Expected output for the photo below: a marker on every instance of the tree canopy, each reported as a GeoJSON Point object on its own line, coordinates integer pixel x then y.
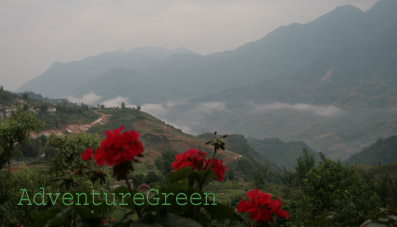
{"type": "Point", "coordinates": [14, 131]}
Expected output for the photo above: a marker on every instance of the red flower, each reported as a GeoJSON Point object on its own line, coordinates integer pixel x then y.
{"type": "Point", "coordinates": [196, 159]}
{"type": "Point", "coordinates": [87, 154]}
{"type": "Point", "coordinates": [118, 148]}
{"type": "Point", "coordinates": [261, 207]}
{"type": "Point", "coordinates": [276, 207]}
{"type": "Point", "coordinates": [192, 158]}
{"type": "Point", "coordinates": [218, 168]}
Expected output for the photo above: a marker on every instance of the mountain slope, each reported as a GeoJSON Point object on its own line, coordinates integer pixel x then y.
{"type": "Point", "coordinates": [384, 151]}
{"type": "Point", "coordinates": [158, 136]}
{"type": "Point", "coordinates": [239, 145]}
{"type": "Point", "coordinates": [283, 154]}
{"type": "Point", "coordinates": [330, 82]}
{"type": "Point", "coordinates": [172, 74]}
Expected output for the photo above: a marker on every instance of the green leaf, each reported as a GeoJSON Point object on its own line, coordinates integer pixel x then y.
{"type": "Point", "coordinates": [168, 219]}
{"type": "Point", "coordinates": [176, 187]}
{"type": "Point", "coordinates": [394, 217]}
{"type": "Point", "coordinates": [201, 174]}
{"type": "Point", "coordinates": [127, 199]}
{"type": "Point", "coordinates": [180, 174]}
{"type": "Point", "coordinates": [53, 217]}
{"type": "Point", "coordinates": [220, 212]}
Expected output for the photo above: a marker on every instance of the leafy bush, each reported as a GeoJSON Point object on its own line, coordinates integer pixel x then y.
{"type": "Point", "coordinates": [335, 194]}
{"type": "Point", "coordinates": [11, 214]}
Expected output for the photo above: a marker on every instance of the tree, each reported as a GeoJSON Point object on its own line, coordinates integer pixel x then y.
{"type": "Point", "coordinates": [30, 148]}
{"type": "Point", "coordinates": [43, 108]}
{"type": "Point", "coordinates": [230, 174]}
{"type": "Point", "coordinates": [151, 178]}
{"type": "Point", "coordinates": [164, 162]}
{"type": "Point", "coordinates": [138, 179]}
{"type": "Point", "coordinates": [303, 165]}
{"type": "Point", "coordinates": [12, 214]}
{"type": "Point", "coordinates": [15, 131]}
{"type": "Point", "coordinates": [68, 149]}
{"type": "Point", "coordinates": [388, 190]}
{"type": "Point", "coordinates": [335, 195]}
{"type": "Point", "coordinates": [25, 96]}
{"type": "Point", "coordinates": [259, 178]}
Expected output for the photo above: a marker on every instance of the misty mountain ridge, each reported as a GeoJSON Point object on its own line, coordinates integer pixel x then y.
{"type": "Point", "coordinates": [284, 51]}
{"type": "Point", "coordinates": [282, 153]}
{"type": "Point", "coordinates": [325, 82]}
{"type": "Point", "coordinates": [384, 151]}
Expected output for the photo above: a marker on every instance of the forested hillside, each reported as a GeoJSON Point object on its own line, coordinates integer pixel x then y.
{"type": "Point", "coordinates": [283, 154]}
{"type": "Point", "coordinates": [383, 152]}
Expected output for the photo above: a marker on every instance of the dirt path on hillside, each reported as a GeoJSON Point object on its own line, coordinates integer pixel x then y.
{"type": "Point", "coordinates": [74, 128]}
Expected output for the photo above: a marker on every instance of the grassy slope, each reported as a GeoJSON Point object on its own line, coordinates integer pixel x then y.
{"type": "Point", "coordinates": [157, 136]}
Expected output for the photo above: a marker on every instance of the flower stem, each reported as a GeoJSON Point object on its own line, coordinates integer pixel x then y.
{"type": "Point", "coordinates": [135, 206]}
{"type": "Point", "coordinates": [208, 170]}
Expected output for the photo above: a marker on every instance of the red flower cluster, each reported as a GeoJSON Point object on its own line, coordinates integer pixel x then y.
{"type": "Point", "coordinates": [262, 206]}
{"type": "Point", "coordinates": [217, 167]}
{"type": "Point", "coordinates": [87, 154]}
{"type": "Point", "coordinates": [196, 159]}
{"type": "Point", "coordinates": [193, 158]}
{"type": "Point", "coordinates": [116, 148]}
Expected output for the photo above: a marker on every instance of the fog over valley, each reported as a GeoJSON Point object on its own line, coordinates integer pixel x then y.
{"type": "Point", "coordinates": [329, 81]}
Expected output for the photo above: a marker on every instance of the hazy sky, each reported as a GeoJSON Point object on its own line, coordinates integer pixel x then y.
{"type": "Point", "coordinates": [36, 33]}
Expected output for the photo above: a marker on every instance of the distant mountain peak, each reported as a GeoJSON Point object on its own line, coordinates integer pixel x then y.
{"type": "Point", "coordinates": [160, 50]}
{"type": "Point", "coordinates": [342, 13]}
{"type": "Point", "coordinates": [347, 9]}
{"type": "Point", "coordinates": [383, 4]}
{"type": "Point", "coordinates": [383, 8]}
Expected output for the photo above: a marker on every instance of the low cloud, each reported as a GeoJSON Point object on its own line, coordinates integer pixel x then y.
{"type": "Point", "coordinates": [321, 110]}
{"type": "Point", "coordinates": [165, 113]}
{"type": "Point", "coordinates": [183, 115]}
{"type": "Point", "coordinates": [159, 110]}
{"type": "Point", "coordinates": [211, 107]}
{"type": "Point", "coordinates": [116, 102]}
{"type": "Point", "coordinates": [89, 98]}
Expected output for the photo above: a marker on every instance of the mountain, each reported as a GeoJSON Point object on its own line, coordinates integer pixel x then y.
{"type": "Point", "coordinates": [330, 82]}
{"type": "Point", "coordinates": [342, 99]}
{"type": "Point", "coordinates": [59, 81]}
{"type": "Point", "coordinates": [283, 154]}
{"type": "Point", "coordinates": [158, 136]}
{"type": "Point", "coordinates": [384, 151]}
{"type": "Point", "coordinates": [54, 113]}
{"type": "Point", "coordinates": [181, 73]}
{"type": "Point", "coordinates": [238, 144]}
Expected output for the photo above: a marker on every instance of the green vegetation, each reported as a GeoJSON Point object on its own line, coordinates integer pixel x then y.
{"type": "Point", "coordinates": [10, 213]}
{"type": "Point", "coordinates": [315, 194]}
{"type": "Point", "coordinates": [287, 152]}
{"type": "Point", "coordinates": [252, 165]}
{"type": "Point", "coordinates": [117, 118]}
{"type": "Point", "coordinates": [163, 163]}
{"type": "Point", "coordinates": [15, 130]}
{"type": "Point", "coordinates": [384, 151]}
{"type": "Point", "coordinates": [335, 194]}
{"type": "Point", "coordinates": [66, 114]}
{"type": "Point", "coordinates": [67, 151]}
